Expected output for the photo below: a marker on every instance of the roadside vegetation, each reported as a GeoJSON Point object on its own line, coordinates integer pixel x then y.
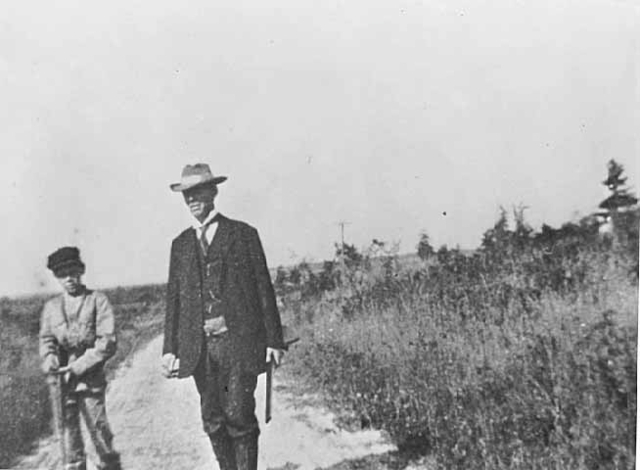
{"type": "Point", "coordinates": [520, 354]}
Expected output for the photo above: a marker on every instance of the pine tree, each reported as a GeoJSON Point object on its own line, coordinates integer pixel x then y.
{"type": "Point", "coordinates": [620, 197]}
{"type": "Point", "coordinates": [620, 208]}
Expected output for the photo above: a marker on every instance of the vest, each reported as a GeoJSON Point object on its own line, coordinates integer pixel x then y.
{"type": "Point", "coordinates": [211, 275]}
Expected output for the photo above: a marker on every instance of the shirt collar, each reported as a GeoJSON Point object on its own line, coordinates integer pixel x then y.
{"type": "Point", "coordinates": [198, 226]}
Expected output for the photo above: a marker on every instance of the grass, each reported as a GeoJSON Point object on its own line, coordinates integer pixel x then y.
{"type": "Point", "coordinates": [499, 374]}
{"type": "Point", "coordinates": [25, 412]}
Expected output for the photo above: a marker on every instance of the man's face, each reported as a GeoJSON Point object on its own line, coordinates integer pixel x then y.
{"type": "Point", "coordinates": [200, 200]}
{"type": "Point", "coordinates": [70, 278]}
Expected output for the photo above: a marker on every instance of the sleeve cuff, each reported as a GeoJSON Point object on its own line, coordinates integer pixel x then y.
{"type": "Point", "coordinates": [77, 368]}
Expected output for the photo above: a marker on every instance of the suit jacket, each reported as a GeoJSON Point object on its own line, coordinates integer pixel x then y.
{"type": "Point", "coordinates": [247, 296]}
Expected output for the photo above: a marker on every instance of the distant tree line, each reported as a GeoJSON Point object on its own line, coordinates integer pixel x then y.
{"type": "Point", "coordinates": [551, 255]}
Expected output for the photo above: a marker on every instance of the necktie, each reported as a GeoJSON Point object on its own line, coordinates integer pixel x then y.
{"type": "Point", "coordinates": [204, 243]}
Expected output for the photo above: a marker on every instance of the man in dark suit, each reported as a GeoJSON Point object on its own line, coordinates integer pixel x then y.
{"type": "Point", "coordinates": [221, 321]}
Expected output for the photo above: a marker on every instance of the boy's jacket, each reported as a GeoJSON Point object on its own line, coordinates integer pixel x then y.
{"type": "Point", "coordinates": [84, 342]}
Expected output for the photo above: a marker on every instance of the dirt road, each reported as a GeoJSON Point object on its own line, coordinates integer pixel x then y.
{"type": "Point", "coordinates": [157, 426]}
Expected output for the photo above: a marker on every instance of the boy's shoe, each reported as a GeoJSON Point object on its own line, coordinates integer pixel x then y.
{"type": "Point", "coordinates": [110, 462]}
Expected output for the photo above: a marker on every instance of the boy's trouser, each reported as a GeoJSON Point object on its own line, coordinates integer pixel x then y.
{"type": "Point", "coordinates": [92, 407]}
{"type": "Point", "coordinates": [227, 405]}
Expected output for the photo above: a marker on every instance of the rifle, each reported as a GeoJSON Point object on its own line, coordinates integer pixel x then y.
{"type": "Point", "coordinates": [56, 394]}
{"type": "Point", "coordinates": [269, 384]}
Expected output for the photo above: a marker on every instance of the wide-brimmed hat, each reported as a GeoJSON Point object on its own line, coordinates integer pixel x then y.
{"type": "Point", "coordinates": [64, 257]}
{"type": "Point", "coordinates": [195, 175]}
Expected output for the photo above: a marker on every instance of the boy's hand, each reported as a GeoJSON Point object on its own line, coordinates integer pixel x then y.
{"type": "Point", "coordinates": [66, 372]}
{"type": "Point", "coordinates": [50, 364]}
{"type": "Point", "coordinates": [170, 365]}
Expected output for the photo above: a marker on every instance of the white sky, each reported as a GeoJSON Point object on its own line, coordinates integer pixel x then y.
{"type": "Point", "coordinates": [381, 113]}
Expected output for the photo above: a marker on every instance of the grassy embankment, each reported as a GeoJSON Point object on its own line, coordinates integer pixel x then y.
{"type": "Point", "coordinates": [25, 412]}
{"type": "Point", "coordinates": [520, 356]}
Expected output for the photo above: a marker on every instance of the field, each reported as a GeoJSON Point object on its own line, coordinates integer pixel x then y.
{"type": "Point", "coordinates": [25, 411]}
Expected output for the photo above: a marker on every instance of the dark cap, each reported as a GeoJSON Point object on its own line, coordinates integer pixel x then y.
{"type": "Point", "coordinates": [64, 257]}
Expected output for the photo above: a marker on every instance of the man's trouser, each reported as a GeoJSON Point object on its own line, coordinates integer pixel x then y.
{"type": "Point", "coordinates": [92, 407]}
{"type": "Point", "coordinates": [228, 405]}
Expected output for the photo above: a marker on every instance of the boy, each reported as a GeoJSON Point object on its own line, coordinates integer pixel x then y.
{"type": "Point", "coordinates": [77, 336]}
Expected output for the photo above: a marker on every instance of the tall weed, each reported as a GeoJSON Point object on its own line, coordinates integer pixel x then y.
{"type": "Point", "coordinates": [519, 362]}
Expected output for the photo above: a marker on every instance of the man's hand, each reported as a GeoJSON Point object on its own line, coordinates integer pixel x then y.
{"type": "Point", "coordinates": [275, 355]}
{"type": "Point", "coordinates": [50, 364]}
{"type": "Point", "coordinates": [170, 366]}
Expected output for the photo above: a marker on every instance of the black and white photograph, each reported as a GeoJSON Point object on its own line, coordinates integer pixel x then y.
{"type": "Point", "coordinates": [319, 235]}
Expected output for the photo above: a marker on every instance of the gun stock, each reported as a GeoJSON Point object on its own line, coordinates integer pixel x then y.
{"type": "Point", "coordinates": [267, 410]}
{"type": "Point", "coordinates": [56, 394]}
{"type": "Point", "coordinates": [269, 381]}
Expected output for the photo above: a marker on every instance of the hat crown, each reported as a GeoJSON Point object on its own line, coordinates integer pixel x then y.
{"type": "Point", "coordinates": [199, 169]}
{"type": "Point", "coordinates": [194, 175]}
{"type": "Point", "coordinates": [67, 255]}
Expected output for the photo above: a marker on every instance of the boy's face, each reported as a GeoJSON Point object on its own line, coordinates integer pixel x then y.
{"type": "Point", "coordinates": [70, 278]}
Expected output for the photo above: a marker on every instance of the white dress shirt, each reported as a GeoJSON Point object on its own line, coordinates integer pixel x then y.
{"type": "Point", "coordinates": [210, 231]}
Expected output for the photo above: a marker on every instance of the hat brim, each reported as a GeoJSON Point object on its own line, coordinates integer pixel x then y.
{"type": "Point", "coordinates": [72, 263]}
{"type": "Point", "coordinates": [183, 187]}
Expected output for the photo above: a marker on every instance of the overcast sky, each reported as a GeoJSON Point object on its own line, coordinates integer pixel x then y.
{"type": "Point", "coordinates": [385, 114]}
